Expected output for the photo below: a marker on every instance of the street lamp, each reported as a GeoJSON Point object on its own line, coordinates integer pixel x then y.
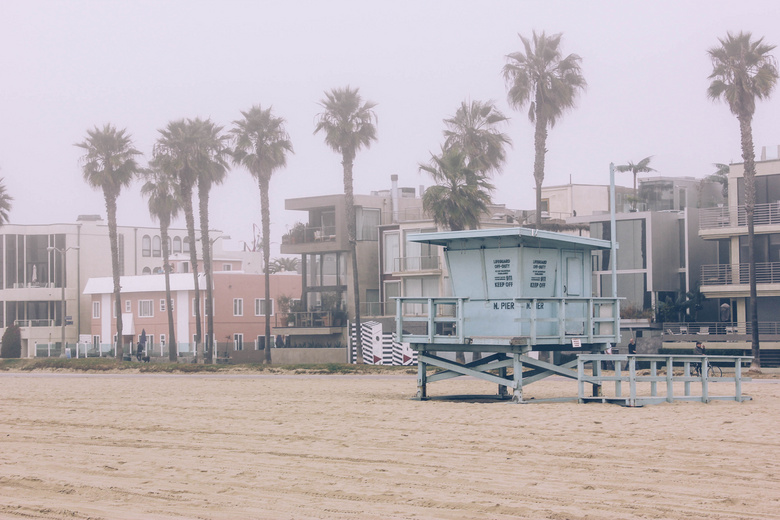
{"type": "Point", "coordinates": [62, 304]}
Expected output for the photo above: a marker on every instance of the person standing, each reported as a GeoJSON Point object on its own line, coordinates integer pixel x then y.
{"type": "Point", "coordinates": [632, 346]}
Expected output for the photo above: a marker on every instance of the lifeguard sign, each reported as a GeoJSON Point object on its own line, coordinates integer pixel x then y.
{"type": "Point", "coordinates": [515, 290]}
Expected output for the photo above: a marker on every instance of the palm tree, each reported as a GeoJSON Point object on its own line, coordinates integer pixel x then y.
{"type": "Point", "coordinates": [261, 146]}
{"type": "Point", "coordinates": [474, 129]}
{"type": "Point", "coordinates": [210, 162]}
{"type": "Point", "coordinates": [460, 195]}
{"type": "Point", "coordinates": [721, 176]}
{"type": "Point", "coordinates": [164, 205]}
{"type": "Point", "coordinates": [109, 164]}
{"type": "Point", "coordinates": [175, 152]}
{"type": "Point", "coordinates": [743, 71]}
{"type": "Point", "coordinates": [549, 83]}
{"type": "Point", "coordinates": [642, 166]}
{"type": "Point", "coordinates": [5, 202]}
{"type": "Point", "coordinates": [349, 124]}
{"type": "Point", "coordinates": [282, 265]}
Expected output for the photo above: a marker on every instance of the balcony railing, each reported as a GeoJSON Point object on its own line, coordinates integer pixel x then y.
{"type": "Point", "coordinates": [724, 217]}
{"type": "Point", "coordinates": [35, 323]}
{"type": "Point", "coordinates": [310, 234]}
{"type": "Point", "coordinates": [739, 274]}
{"type": "Point", "coordinates": [416, 263]}
{"type": "Point", "coordinates": [716, 328]}
{"type": "Point", "coordinates": [311, 319]}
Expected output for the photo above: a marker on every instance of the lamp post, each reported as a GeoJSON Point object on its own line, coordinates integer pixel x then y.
{"type": "Point", "coordinates": [208, 344]}
{"type": "Point", "coordinates": [64, 275]}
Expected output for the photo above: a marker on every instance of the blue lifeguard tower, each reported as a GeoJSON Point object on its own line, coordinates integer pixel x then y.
{"type": "Point", "coordinates": [515, 292]}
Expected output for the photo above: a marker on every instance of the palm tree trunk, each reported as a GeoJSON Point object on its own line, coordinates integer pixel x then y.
{"type": "Point", "coordinates": [748, 157]}
{"type": "Point", "coordinates": [113, 239]}
{"type": "Point", "coordinates": [172, 349]}
{"type": "Point", "coordinates": [190, 221]}
{"type": "Point", "coordinates": [203, 198]}
{"type": "Point", "coordinates": [540, 149]}
{"type": "Point", "coordinates": [347, 162]}
{"type": "Point", "coordinates": [265, 212]}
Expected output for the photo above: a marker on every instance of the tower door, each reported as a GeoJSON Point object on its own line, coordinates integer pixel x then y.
{"type": "Point", "coordinates": [573, 287]}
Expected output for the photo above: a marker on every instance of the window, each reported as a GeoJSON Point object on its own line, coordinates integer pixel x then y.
{"type": "Point", "coordinates": [227, 267]}
{"type": "Point", "coordinates": [260, 344]}
{"type": "Point", "coordinates": [146, 246]}
{"type": "Point", "coordinates": [186, 245]}
{"type": "Point", "coordinates": [128, 306]}
{"type": "Point", "coordinates": [146, 270]}
{"type": "Point", "coordinates": [162, 340]}
{"type": "Point", "coordinates": [96, 343]}
{"type": "Point", "coordinates": [367, 223]}
{"type": "Point", "coordinates": [176, 245]}
{"type": "Point", "coordinates": [145, 309]}
{"type": "Point", "coordinates": [259, 308]}
{"type": "Point", "coordinates": [96, 309]}
{"type": "Point", "coordinates": [238, 306]}
{"type": "Point", "coordinates": [162, 305]}
{"type": "Point", "coordinates": [391, 252]}
{"type": "Point", "coordinates": [156, 245]}
{"type": "Point", "coordinates": [238, 341]}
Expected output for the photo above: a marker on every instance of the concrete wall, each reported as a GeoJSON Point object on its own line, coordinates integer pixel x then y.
{"type": "Point", "coordinates": [292, 356]}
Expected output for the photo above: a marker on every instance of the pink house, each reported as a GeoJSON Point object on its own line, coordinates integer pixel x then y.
{"type": "Point", "coordinates": [239, 321]}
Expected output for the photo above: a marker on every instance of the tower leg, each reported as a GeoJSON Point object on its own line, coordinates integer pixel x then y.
{"type": "Point", "coordinates": [517, 379]}
{"type": "Point", "coordinates": [422, 378]}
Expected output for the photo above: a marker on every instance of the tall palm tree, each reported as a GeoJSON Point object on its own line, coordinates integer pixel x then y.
{"type": "Point", "coordinates": [5, 202]}
{"type": "Point", "coordinates": [210, 162]}
{"type": "Point", "coordinates": [642, 166]}
{"type": "Point", "coordinates": [542, 78]}
{"type": "Point", "coordinates": [474, 129]}
{"type": "Point", "coordinates": [261, 146]}
{"type": "Point", "coordinates": [460, 195]}
{"type": "Point", "coordinates": [175, 152]}
{"type": "Point", "coordinates": [109, 164]}
{"type": "Point", "coordinates": [721, 175]}
{"type": "Point", "coordinates": [349, 124]}
{"type": "Point", "coordinates": [164, 205]}
{"type": "Point", "coordinates": [743, 71]}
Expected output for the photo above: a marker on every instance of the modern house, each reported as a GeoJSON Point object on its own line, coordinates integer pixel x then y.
{"type": "Point", "coordinates": [725, 279]}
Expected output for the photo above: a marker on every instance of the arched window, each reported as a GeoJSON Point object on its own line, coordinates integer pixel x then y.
{"type": "Point", "coordinates": [146, 270]}
{"type": "Point", "coordinates": [146, 246]}
{"type": "Point", "coordinates": [176, 245]}
{"type": "Point", "coordinates": [156, 244]}
{"type": "Point", "coordinates": [186, 245]}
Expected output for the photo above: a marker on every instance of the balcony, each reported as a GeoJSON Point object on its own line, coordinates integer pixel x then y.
{"type": "Point", "coordinates": [739, 274]}
{"type": "Point", "coordinates": [309, 235]}
{"type": "Point", "coordinates": [417, 264]}
{"type": "Point", "coordinates": [310, 323]}
{"type": "Point", "coordinates": [713, 219]}
{"type": "Point", "coordinates": [719, 331]}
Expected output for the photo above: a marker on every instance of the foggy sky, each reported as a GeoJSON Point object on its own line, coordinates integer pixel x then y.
{"type": "Point", "coordinates": [66, 67]}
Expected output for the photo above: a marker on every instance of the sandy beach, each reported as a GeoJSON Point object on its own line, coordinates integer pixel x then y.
{"type": "Point", "coordinates": [120, 446]}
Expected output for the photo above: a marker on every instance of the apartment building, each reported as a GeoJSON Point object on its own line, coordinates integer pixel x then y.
{"type": "Point", "coordinates": [45, 268]}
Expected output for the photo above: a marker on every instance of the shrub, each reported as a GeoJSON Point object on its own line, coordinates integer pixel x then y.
{"type": "Point", "coordinates": [12, 342]}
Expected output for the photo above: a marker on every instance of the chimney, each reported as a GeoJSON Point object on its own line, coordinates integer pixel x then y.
{"type": "Point", "coordinates": [394, 197]}
{"type": "Point", "coordinates": [763, 153]}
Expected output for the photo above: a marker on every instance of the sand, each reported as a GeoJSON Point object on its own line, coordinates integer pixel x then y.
{"type": "Point", "coordinates": [122, 446]}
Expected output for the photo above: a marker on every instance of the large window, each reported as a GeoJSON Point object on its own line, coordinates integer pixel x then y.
{"type": "Point", "coordinates": [238, 306]}
{"type": "Point", "coordinates": [367, 223]}
{"type": "Point", "coordinates": [326, 270]}
{"type": "Point", "coordinates": [238, 341]}
{"type": "Point", "coordinates": [767, 189]}
{"type": "Point", "coordinates": [176, 245]}
{"type": "Point", "coordinates": [391, 251]}
{"type": "Point", "coordinates": [145, 308]}
{"type": "Point", "coordinates": [259, 307]}
{"type": "Point", "coordinates": [96, 309]}
{"type": "Point", "coordinates": [146, 246]}
{"type": "Point", "coordinates": [156, 246]}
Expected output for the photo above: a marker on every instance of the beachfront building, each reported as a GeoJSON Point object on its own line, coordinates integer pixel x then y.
{"type": "Point", "coordinates": [239, 315]}
{"type": "Point", "coordinates": [44, 270]}
{"type": "Point", "coordinates": [725, 279]}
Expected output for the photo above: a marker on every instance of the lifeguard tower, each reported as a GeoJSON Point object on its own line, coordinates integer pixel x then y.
{"type": "Point", "coordinates": [516, 292]}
